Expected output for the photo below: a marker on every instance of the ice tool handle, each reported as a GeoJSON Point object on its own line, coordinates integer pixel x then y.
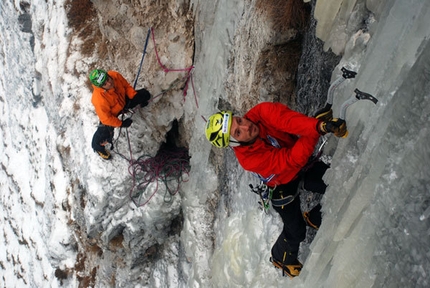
{"type": "Point", "coordinates": [346, 74]}
{"type": "Point", "coordinates": [359, 95]}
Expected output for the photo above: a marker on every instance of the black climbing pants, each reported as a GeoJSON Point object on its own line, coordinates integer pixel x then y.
{"type": "Point", "coordinates": [286, 248]}
{"type": "Point", "coordinates": [102, 135]}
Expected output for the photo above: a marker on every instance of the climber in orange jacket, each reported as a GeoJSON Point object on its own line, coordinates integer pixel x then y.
{"type": "Point", "coordinates": [275, 143]}
{"type": "Point", "coordinates": [112, 95]}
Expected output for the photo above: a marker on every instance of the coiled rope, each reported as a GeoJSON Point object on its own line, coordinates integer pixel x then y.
{"type": "Point", "coordinates": [169, 166]}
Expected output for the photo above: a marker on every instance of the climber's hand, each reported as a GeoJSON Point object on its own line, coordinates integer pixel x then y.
{"type": "Point", "coordinates": [325, 115]}
{"type": "Point", "coordinates": [126, 123]}
{"type": "Point", "coordinates": [335, 126]}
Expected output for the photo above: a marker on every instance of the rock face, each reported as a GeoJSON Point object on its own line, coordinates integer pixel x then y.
{"type": "Point", "coordinates": [265, 55]}
{"type": "Point", "coordinates": [118, 243]}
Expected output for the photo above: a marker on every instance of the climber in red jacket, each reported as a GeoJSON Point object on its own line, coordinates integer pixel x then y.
{"type": "Point", "coordinates": [112, 95]}
{"type": "Point", "coordinates": [275, 143]}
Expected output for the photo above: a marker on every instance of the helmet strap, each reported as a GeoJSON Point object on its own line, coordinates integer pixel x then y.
{"type": "Point", "coordinates": [233, 142]}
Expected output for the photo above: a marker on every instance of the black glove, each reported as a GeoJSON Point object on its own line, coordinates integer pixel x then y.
{"type": "Point", "coordinates": [335, 126]}
{"type": "Point", "coordinates": [324, 115]}
{"type": "Point", "coordinates": [126, 123]}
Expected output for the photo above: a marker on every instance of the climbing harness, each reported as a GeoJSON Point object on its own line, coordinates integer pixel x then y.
{"type": "Point", "coordinates": [266, 196]}
{"type": "Point", "coordinates": [286, 200]}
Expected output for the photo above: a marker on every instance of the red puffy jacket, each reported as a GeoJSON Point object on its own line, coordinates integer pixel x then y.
{"type": "Point", "coordinates": [286, 141]}
{"type": "Point", "coordinates": [108, 103]}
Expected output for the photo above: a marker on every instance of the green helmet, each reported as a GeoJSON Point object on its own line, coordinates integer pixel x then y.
{"type": "Point", "coordinates": [218, 129]}
{"type": "Point", "coordinates": [98, 77]}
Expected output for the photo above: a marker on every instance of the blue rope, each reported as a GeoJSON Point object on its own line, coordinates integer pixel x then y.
{"type": "Point", "coordinates": [143, 56]}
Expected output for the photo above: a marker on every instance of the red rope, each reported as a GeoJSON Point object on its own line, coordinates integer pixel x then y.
{"type": "Point", "coordinates": [167, 70]}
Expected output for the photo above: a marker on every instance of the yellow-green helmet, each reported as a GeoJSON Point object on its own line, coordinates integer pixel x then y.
{"type": "Point", "coordinates": [98, 77]}
{"type": "Point", "coordinates": [218, 129]}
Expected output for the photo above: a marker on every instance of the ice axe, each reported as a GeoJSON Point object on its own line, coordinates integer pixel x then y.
{"type": "Point", "coordinates": [346, 74]}
{"type": "Point", "coordinates": [359, 95]}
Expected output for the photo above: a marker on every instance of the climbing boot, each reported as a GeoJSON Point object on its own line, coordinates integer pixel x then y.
{"type": "Point", "coordinates": [309, 221]}
{"type": "Point", "coordinates": [105, 155]}
{"type": "Point", "coordinates": [291, 270]}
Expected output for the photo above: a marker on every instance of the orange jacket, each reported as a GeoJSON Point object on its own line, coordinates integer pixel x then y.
{"type": "Point", "coordinates": [108, 103]}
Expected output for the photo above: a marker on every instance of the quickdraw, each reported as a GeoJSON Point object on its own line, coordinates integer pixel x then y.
{"type": "Point", "coordinates": [265, 194]}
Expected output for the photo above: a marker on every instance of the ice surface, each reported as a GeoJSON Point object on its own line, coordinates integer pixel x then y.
{"type": "Point", "coordinates": [378, 190]}
{"type": "Point", "coordinates": [376, 226]}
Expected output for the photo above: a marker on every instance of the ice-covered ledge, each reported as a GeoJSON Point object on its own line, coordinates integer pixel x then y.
{"type": "Point", "coordinates": [338, 20]}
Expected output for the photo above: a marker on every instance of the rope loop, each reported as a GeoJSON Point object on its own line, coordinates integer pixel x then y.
{"type": "Point", "coordinates": [169, 167]}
